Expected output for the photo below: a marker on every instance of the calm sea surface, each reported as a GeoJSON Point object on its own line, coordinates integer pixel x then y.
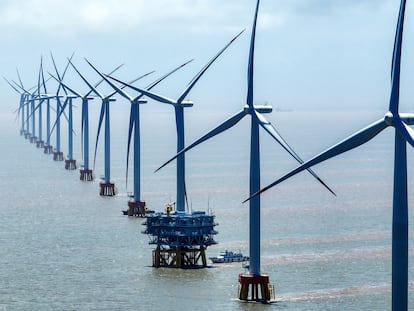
{"type": "Point", "coordinates": [63, 247]}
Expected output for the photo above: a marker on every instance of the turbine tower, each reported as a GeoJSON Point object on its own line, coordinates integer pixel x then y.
{"type": "Point", "coordinates": [136, 206]}
{"type": "Point", "coordinates": [403, 134]}
{"type": "Point", "coordinates": [255, 279]}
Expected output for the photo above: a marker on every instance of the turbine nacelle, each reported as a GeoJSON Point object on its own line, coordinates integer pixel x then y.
{"type": "Point", "coordinates": [186, 103]}
{"type": "Point", "coordinates": [259, 108]}
{"type": "Point", "coordinates": [140, 101]}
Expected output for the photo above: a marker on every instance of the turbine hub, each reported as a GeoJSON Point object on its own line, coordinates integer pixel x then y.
{"type": "Point", "coordinates": [389, 118]}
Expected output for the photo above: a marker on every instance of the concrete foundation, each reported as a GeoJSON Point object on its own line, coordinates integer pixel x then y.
{"type": "Point", "coordinates": [70, 164]}
{"type": "Point", "coordinates": [47, 149]}
{"type": "Point", "coordinates": [33, 139]}
{"type": "Point", "coordinates": [40, 144]}
{"type": "Point", "coordinates": [86, 175]}
{"type": "Point", "coordinates": [58, 156]}
{"type": "Point", "coordinates": [107, 189]}
{"type": "Point", "coordinates": [255, 288]}
{"type": "Point", "coordinates": [136, 208]}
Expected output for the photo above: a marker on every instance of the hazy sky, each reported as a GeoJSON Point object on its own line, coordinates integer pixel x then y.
{"type": "Point", "coordinates": [310, 54]}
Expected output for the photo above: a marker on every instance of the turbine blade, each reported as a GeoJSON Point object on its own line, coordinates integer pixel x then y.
{"type": "Point", "coordinates": [203, 70]}
{"type": "Point", "coordinates": [130, 82]}
{"type": "Point", "coordinates": [62, 111]}
{"type": "Point", "coordinates": [65, 85]}
{"type": "Point", "coordinates": [142, 76]}
{"type": "Point", "coordinates": [251, 60]}
{"type": "Point", "coordinates": [39, 77]}
{"type": "Point", "coordinates": [268, 127]}
{"type": "Point", "coordinates": [56, 70]}
{"type": "Point", "coordinates": [43, 76]}
{"type": "Point", "coordinates": [230, 122]}
{"type": "Point", "coordinates": [12, 86]}
{"type": "Point", "coordinates": [396, 61]}
{"type": "Point", "coordinates": [18, 76]}
{"type": "Point", "coordinates": [349, 143]}
{"type": "Point", "coordinates": [102, 80]}
{"type": "Point", "coordinates": [153, 84]}
{"type": "Point", "coordinates": [406, 131]}
{"type": "Point", "coordinates": [407, 118]}
{"type": "Point", "coordinates": [93, 89]}
{"type": "Point", "coordinates": [131, 127]}
{"type": "Point", "coordinates": [83, 121]}
{"type": "Point", "coordinates": [99, 130]}
{"type": "Point", "coordinates": [152, 95]}
{"type": "Point", "coordinates": [117, 89]}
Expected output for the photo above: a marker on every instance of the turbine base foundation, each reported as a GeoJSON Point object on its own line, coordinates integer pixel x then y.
{"type": "Point", "coordinates": [136, 208]}
{"type": "Point", "coordinates": [33, 139]}
{"type": "Point", "coordinates": [70, 164]}
{"type": "Point", "coordinates": [58, 156]}
{"type": "Point", "coordinates": [27, 135]}
{"type": "Point", "coordinates": [47, 149]}
{"type": "Point", "coordinates": [179, 257]}
{"type": "Point", "coordinates": [255, 288]}
{"type": "Point", "coordinates": [107, 189]}
{"type": "Point", "coordinates": [22, 132]}
{"type": "Point", "coordinates": [86, 175]}
{"type": "Point", "coordinates": [40, 144]}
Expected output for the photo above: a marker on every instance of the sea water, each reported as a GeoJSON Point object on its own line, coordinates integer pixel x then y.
{"type": "Point", "coordinates": [63, 247]}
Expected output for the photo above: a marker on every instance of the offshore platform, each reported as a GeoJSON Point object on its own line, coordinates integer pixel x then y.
{"type": "Point", "coordinates": [181, 238]}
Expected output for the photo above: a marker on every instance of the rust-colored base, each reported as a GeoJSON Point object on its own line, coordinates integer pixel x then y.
{"type": "Point", "coordinates": [40, 144]}
{"type": "Point", "coordinates": [58, 156]}
{"type": "Point", "coordinates": [107, 189]}
{"type": "Point", "coordinates": [47, 149]}
{"type": "Point", "coordinates": [136, 208]}
{"type": "Point", "coordinates": [258, 285]}
{"type": "Point", "coordinates": [70, 164]}
{"type": "Point", "coordinates": [86, 175]}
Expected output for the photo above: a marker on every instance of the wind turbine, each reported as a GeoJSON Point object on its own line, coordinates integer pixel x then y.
{"type": "Point", "coordinates": [58, 154]}
{"type": "Point", "coordinates": [135, 206]}
{"type": "Point", "coordinates": [28, 98]}
{"type": "Point", "coordinates": [179, 105]}
{"type": "Point", "coordinates": [22, 103]}
{"type": "Point", "coordinates": [107, 188]}
{"type": "Point", "coordinates": [403, 134]}
{"type": "Point", "coordinates": [41, 97]}
{"type": "Point", "coordinates": [254, 278]}
{"type": "Point", "coordinates": [86, 173]}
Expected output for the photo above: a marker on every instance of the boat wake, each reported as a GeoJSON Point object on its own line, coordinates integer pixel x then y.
{"type": "Point", "coordinates": [335, 293]}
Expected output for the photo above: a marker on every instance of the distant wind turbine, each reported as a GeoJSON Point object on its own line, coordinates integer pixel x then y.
{"type": "Point", "coordinates": [58, 154]}
{"type": "Point", "coordinates": [137, 205]}
{"type": "Point", "coordinates": [254, 278]}
{"type": "Point", "coordinates": [22, 104]}
{"type": "Point", "coordinates": [179, 105]}
{"type": "Point", "coordinates": [403, 134]}
{"type": "Point", "coordinates": [86, 172]}
{"type": "Point", "coordinates": [107, 188]}
{"type": "Point", "coordinates": [41, 97]}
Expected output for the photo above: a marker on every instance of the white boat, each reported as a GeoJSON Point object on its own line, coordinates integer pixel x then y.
{"type": "Point", "coordinates": [229, 256]}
